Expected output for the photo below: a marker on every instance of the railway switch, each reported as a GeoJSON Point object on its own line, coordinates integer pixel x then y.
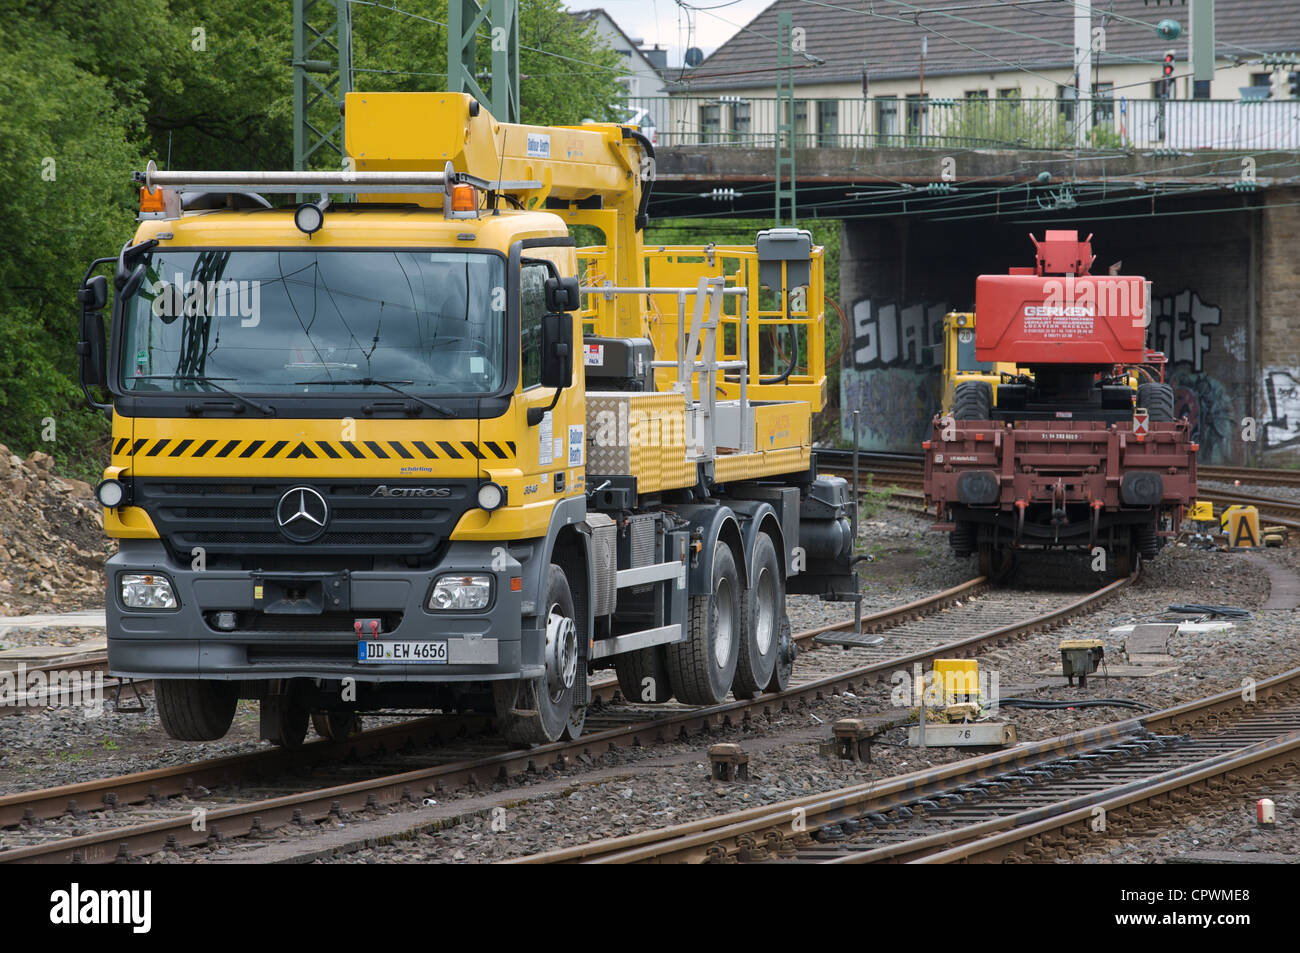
{"type": "Point", "coordinates": [1081, 657]}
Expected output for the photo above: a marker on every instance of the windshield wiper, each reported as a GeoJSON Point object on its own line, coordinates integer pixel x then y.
{"type": "Point", "coordinates": [211, 382]}
{"type": "Point", "coordinates": [370, 381]}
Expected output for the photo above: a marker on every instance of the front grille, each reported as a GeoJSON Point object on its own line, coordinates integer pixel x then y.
{"type": "Point", "coordinates": [301, 653]}
{"type": "Point", "coordinates": [327, 623]}
{"type": "Point", "coordinates": [238, 517]}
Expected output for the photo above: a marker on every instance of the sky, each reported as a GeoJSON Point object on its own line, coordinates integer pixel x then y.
{"type": "Point", "coordinates": [674, 27]}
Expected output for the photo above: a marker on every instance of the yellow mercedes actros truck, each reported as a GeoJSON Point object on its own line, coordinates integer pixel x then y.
{"type": "Point", "coordinates": [377, 447]}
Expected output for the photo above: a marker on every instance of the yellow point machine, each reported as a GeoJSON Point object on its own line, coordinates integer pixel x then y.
{"type": "Point", "coordinates": [399, 442]}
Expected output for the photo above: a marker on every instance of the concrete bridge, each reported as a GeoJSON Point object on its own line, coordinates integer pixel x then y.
{"type": "Point", "coordinates": [1216, 231]}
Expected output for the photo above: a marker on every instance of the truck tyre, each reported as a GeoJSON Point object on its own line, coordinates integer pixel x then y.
{"type": "Point", "coordinates": [541, 710]}
{"type": "Point", "coordinates": [702, 667]}
{"type": "Point", "coordinates": [1158, 399]}
{"type": "Point", "coordinates": [972, 400]}
{"type": "Point", "coordinates": [192, 709]}
{"type": "Point", "coordinates": [643, 676]}
{"type": "Point", "coordinates": [762, 609]}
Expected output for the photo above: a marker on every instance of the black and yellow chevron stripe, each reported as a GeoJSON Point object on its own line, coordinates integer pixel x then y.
{"type": "Point", "coordinates": [317, 449]}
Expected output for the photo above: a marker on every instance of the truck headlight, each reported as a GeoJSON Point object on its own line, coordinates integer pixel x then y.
{"type": "Point", "coordinates": [110, 493]}
{"type": "Point", "coordinates": [146, 591]}
{"type": "Point", "coordinates": [491, 496]}
{"type": "Point", "coordinates": [461, 592]}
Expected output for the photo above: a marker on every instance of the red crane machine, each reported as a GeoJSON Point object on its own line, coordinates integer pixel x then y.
{"type": "Point", "coordinates": [1082, 449]}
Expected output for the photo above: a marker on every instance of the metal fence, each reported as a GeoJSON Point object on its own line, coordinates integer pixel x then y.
{"type": "Point", "coordinates": [1005, 123]}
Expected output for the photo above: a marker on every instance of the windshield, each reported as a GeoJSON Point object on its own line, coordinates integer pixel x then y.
{"type": "Point", "coordinates": [966, 353]}
{"type": "Point", "coordinates": [296, 322]}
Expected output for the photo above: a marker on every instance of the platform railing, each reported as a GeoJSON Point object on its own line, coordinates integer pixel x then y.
{"type": "Point", "coordinates": [1101, 124]}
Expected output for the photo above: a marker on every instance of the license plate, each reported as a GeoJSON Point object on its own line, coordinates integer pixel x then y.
{"type": "Point", "coordinates": [426, 653]}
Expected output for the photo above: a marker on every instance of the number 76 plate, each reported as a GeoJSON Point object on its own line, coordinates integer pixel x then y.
{"type": "Point", "coordinates": [426, 653]}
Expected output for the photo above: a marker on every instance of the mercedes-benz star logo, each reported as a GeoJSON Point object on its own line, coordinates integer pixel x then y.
{"type": "Point", "coordinates": [302, 514]}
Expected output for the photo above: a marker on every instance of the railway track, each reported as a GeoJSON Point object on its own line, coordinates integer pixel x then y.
{"type": "Point", "coordinates": [1040, 801]}
{"type": "Point", "coordinates": [616, 727]}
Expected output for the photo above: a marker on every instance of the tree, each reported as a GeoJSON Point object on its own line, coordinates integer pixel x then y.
{"type": "Point", "coordinates": [93, 90]}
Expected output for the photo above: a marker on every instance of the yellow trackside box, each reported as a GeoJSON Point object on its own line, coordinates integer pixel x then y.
{"type": "Point", "coordinates": [959, 677]}
{"type": "Point", "coordinates": [1241, 523]}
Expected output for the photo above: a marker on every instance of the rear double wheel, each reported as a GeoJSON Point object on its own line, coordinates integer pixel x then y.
{"type": "Point", "coordinates": [762, 612]}
{"type": "Point", "coordinates": [703, 667]}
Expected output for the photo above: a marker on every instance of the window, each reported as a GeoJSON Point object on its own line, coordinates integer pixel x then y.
{"type": "Point", "coordinates": [1103, 102]}
{"type": "Point", "coordinates": [532, 305]}
{"type": "Point", "coordinates": [1066, 98]}
{"type": "Point", "coordinates": [799, 129]}
{"type": "Point", "coordinates": [828, 122]}
{"type": "Point", "coordinates": [1263, 79]}
{"type": "Point", "coordinates": [740, 122]}
{"type": "Point", "coordinates": [917, 115]}
{"type": "Point", "coordinates": [710, 123]}
{"type": "Point", "coordinates": [1012, 94]}
{"type": "Point", "coordinates": [977, 94]}
{"type": "Point", "coordinates": [886, 116]}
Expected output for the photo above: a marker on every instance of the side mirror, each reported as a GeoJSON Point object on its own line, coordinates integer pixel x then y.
{"type": "Point", "coordinates": [562, 294]}
{"type": "Point", "coordinates": [93, 296]}
{"type": "Point", "coordinates": [557, 349]}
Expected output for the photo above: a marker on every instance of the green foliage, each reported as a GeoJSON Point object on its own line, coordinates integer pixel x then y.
{"type": "Point", "coordinates": [92, 90]}
{"type": "Point", "coordinates": [65, 146]}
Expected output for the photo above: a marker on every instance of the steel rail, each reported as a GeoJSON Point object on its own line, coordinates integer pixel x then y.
{"type": "Point", "coordinates": [767, 830]}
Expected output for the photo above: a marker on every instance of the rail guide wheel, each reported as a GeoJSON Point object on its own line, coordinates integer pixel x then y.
{"type": "Point", "coordinates": [996, 562]}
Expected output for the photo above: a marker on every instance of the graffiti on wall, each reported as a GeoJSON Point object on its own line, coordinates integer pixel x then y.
{"type": "Point", "coordinates": [892, 372]}
{"type": "Point", "coordinates": [1186, 330]}
{"type": "Point", "coordinates": [1180, 328]}
{"type": "Point", "coordinates": [1281, 407]}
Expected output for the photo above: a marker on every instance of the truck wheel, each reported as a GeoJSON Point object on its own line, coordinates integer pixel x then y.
{"type": "Point", "coordinates": [192, 709]}
{"type": "Point", "coordinates": [785, 656]}
{"type": "Point", "coordinates": [762, 609]}
{"type": "Point", "coordinates": [541, 710]}
{"type": "Point", "coordinates": [643, 676]}
{"type": "Point", "coordinates": [972, 400]}
{"type": "Point", "coordinates": [1158, 399]}
{"type": "Point", "coordinates": [702, 667]}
